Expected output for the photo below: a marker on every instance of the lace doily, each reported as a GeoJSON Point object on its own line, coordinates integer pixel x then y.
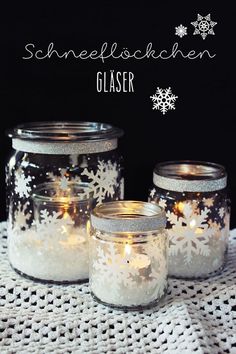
{"type": "Point", "coordinates": [195, 317]}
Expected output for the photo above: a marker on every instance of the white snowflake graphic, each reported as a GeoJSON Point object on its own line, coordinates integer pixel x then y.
{"type": "Point", "coordinates": [103, 182]}
{"type": "Point", "coordinates": [221, 212]}
{"type": "Point", "coordinates": [204, 26]}
{"type": "Point", "coordinates": [189, 234]}
{"type": "Point", "coordinates": [21, 217]}
{"type": "Point", "coordinates": [51, 224]}
{"type": "Point", "coordinates": [181, 31]}
{"type": "Point", "coordinates": [63, 179]}
{"type": "Point", "coordinates": [208, 202]}
{"type": "Point", "coordinates": [111, 264]}
{"type": "Point", "coordinates": [122, 188]}
{"type": "Point", "coordinates": [163, 100]}
{"type": "Point", "coordinates": [22, 186]}
{"type": "Point", "coordinates": [162, 203]}
{"type": "Point", "coordinates": [152, 193]}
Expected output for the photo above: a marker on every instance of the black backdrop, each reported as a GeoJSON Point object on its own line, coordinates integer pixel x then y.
{"type": "Point", "coordinates": [201, 127]}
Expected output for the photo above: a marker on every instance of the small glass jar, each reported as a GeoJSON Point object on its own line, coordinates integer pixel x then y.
{"type": "Point", "coordinates": [55, 247]}
{"type": "Point", "coordinates": [194, 197]}
{"type": "Point", "coordinates": [128, 254]}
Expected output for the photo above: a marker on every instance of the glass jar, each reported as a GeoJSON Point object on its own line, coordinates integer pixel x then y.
{"type": "Point", "coordinates": [55, 247]}
{"type": "Point", "coordinates": [62, 153]}
{"type": "Point", "coordinates": [128, 254]}
{"type": "Point", "coordinates": [194, 197]}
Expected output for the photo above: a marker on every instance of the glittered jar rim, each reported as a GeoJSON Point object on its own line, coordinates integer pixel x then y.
{"type": "Point", "coordinates": [50, 193]}
{"type": "Point", "coordinates": [128, 216]}
{"type": "Point", "coordinates": [60, 137]}
{"type": "Point", "coordinates": [190, 176]}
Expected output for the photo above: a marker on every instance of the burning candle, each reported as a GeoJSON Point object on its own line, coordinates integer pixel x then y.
{"type": "Point", "coordinates": [128, 264]}
{"type": "Point", "coordinates": [55, 247]}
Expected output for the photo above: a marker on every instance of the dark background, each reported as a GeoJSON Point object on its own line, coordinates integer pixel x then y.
{"type": "Point", "coordinates": [201, 127]}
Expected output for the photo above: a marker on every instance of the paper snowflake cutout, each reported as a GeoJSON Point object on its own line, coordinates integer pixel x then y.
{"type": "Point", "coordinates": [181, 31]}
{"type": "Point", "coordinates": [152, 193]}
{"type": "Point", "coordinates": [189, 234]}
{"type": "Point", "coordinates": [51, 224]}
{"type": "Point", "coordinates": [204, 26]}
{"type": "Point", "coordinates": [103, 182]}
{"type": "Point", "coordinates": [112, 264]}
{"type": "Point", "coordinates": [163, 100]}
{"type": "Point", "coordinates": [221, 212]}
{"type": "Point", "coordinates": [22, 186]}
{"type": "Point", "coordinates": [63, 179]}
{"type": "Point", "coordinates": [208, 202]}
{"type": "Point", "coordinates": [21, 217]}
{"type": "Point", "coordinates": [162, 203]}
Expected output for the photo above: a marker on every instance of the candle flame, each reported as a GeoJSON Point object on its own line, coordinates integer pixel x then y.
{"type": "Point", "coordinates": [127, 249]}
{"type": "Point", "coordinates": [180, 207]}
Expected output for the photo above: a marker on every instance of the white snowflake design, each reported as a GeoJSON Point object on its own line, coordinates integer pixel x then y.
{"type": "Point", "coordinates": [20, 217]}
{"type": "Point", "coordinates": [152, 193]}
{"type": "Point", "coordinates": [189, 234]}
{"type": "Point", "coordinates": [163, 100]}
{"type": "Point", "coordinates": [221, 212]}
{"type": "Point", "coordinates": [204, 26]}
{"type": "Point", "coordinates": [208, 202]}
{"type": "Point", "coordinates": [52, 224]}
{"type": "Point", "coordinates": [181, 31]}
{"type": "Point", "coordinates": [111, 264]}
{"type": "Point", "coordinates": [162, 203]}
{"type": "Point", "coordinates": [22, 186]}
{"type": "Point", "coordinates": [103, 182]}
{"type": "Point", "coordinates": [63, 179]}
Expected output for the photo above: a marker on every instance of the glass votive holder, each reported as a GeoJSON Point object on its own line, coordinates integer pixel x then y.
{"type": "Point", "coordinates": [128, 254]}
{"type": "Point", "coordinates": [55, 247]}
{"type": "Point", "coordinates": [194, 197]}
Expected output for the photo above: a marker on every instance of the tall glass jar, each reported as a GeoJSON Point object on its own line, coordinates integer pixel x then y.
{"type": "Point", "coordinates": [128, 254]}
{"type": "Point", "coordinates": [62, 153]}
{"type": "Point", "coordinates": [194, 197]}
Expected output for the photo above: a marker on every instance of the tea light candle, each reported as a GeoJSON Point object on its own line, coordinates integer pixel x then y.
{"type": "Point", "coordinates": [55, 246]}
{"type": "Point", "coordinates": [196, 204]}
{"type": "Point", "coordinates": [128, 264]}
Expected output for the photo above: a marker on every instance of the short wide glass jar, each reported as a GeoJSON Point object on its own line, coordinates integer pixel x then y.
{"type": "Point", "coordinates": [55, 247]}
{"type": "Point", "coordinates": [194, 197]}
{"type": "Point", "coordinates": [128, 254]}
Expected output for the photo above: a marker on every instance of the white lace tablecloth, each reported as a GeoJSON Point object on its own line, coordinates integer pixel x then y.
{"type": "Point", "coordinates": [195, 317]}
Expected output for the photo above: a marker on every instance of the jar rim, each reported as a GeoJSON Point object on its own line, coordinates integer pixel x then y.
{"type": "Point", "coordinates": [190, 176]}
{"type": "Point", "coordinates": [128, 216]}
{"type": "Point", "coordinates": [43, 193]}
{"type": "Point", "coordinates": [65, 131]}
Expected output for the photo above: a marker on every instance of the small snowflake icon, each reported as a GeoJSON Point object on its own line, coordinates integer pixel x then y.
{"type": "Point", "coordinates": [204, 26]}
{"type": "Point", "coordinates": [163, 100]}
{"type": "Point", "coordinates": [181, 31]}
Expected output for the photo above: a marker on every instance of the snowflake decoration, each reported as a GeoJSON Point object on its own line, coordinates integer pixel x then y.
{"type": "Point", "coordinates": [181, 31]}
{"type": "Point", "coordinates": [22, 186]}
{"type": "Point", "coordinates": [122, 188]}
{"type": "Point", "coordinates": [163, 100]}
{"type": "Point", "coordinates": [104, 181]}
{"type": "Point", "coordinates": [208, 202]}
{"type": "Point", "coordinates": [111, 264]}
{"type": "Point", "coordinates": [152, 193]}
{"type": "Point", "coordinates": [189, 234]}
{"type": "Point", "coordinates": [52, 224]}
{"type": "Point", "coordinates": [21, 217]}
{"type": "Point", "coordinates": [63, 180]}
{"type": "Point", "coordinates": [204, 26]}
{"type": "Point", "coordinates": [221, 212]}
{"type": "Point", "coordinates": [162, 203]}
